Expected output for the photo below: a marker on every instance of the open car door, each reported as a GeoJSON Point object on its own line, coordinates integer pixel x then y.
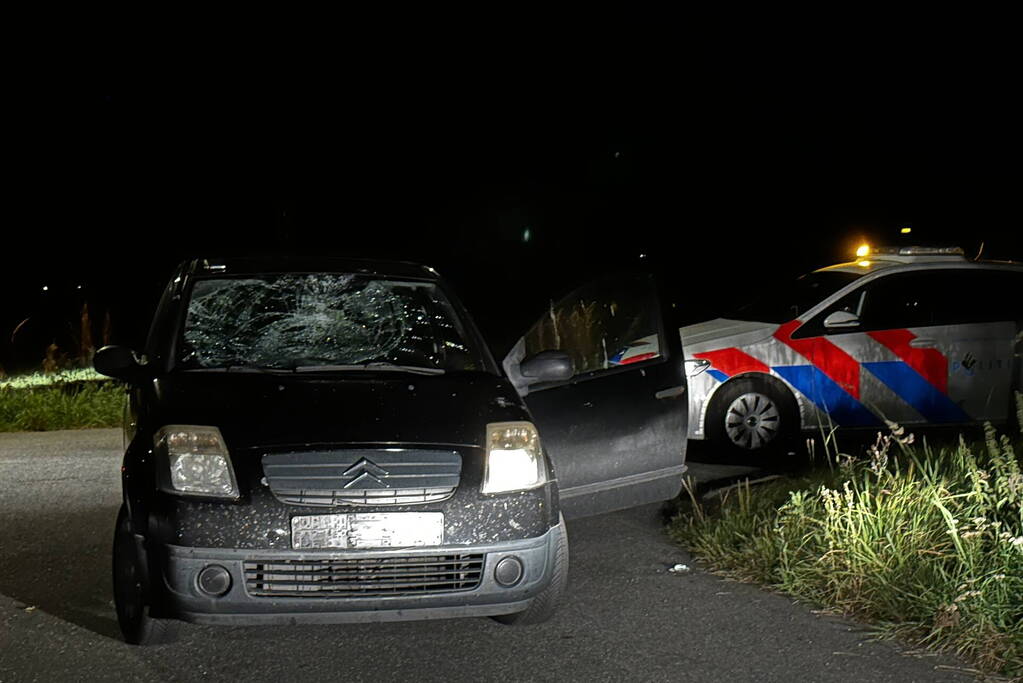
{"type": "Point", "coordinates": [616, 429]}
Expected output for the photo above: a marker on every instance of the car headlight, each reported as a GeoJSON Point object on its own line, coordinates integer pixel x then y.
{"type": "Point", "coordinates": [197, 462]}
{"type": "Point", "coordinates": [514, 458]}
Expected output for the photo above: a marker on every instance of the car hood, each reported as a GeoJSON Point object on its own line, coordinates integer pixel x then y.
{"type": "Point", "coordinates": [722, 332]}
{"type": "Point", "coordinates": [268, 410]}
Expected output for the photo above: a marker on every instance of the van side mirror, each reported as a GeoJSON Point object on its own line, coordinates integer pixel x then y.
{"type": "Point", "coordinates": [840, 320]}
{"type": "Point", "coordinates": [547, 366]}
{"type": "Point", "coordinates": [118, 362]}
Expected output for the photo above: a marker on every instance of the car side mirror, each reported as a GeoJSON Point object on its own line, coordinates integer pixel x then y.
{"type": "Point", "coordinates": [118, 362]}
{"type": "Point", "coordinates": [840, 320]}
{"type": "Point", "coordinates": [547, 366]}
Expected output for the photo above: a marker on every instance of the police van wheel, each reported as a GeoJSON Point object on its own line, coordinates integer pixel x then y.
{"type": "Point", "coordinates": [752, 419]}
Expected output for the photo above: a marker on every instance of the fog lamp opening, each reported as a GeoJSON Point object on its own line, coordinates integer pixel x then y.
{"type": "Point", "coordinates": [214, 580]}
{"type": "Point", "coordinates": [508, 571]}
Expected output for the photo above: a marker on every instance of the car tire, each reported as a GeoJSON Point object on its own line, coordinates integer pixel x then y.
{"type": "Point", "coordinates": [131, 596]}
{"type": "Point", "coordinates": [546, 603]}
{"type": "Point", "coordinates": [752, 419]}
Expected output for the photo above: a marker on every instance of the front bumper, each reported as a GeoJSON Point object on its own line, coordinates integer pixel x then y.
{"type": "Point", "coordinates": [184, 600]}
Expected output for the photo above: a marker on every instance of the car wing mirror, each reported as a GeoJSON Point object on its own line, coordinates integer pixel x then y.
{"type": "Point", "coordinates": [696, 366]}
{"type": "Point", "coordinates": [118, 362]}
{"type": "Point", "coordinates": [841, 320]}
{"type": "Point", "coordinates": [547, 366]}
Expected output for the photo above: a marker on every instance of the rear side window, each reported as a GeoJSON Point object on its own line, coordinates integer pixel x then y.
{"type": "Point", "coordinates": [952, 296]}
{"type": "Point", "coordinates": [979, 296]}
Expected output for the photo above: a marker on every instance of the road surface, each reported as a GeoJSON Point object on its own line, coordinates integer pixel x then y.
{"type": "Point", "coordinates": [626, 617]}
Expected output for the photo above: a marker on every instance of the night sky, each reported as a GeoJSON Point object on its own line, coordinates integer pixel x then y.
{"type": "Point", "coordinates": [727, 192]}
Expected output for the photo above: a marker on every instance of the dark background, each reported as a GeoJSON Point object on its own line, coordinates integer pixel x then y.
{"type": "Point", "coordinates": [728, 192]}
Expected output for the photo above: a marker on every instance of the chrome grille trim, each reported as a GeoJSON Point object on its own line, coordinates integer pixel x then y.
{"type": "Point", "coordinates": [363, 476]}
{"type": "Point", "coordinates": [367, 497]}
{"type": "Point", "coordinates": [363, 578]}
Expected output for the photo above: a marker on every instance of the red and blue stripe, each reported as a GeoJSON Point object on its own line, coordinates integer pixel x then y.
{"type": "Point", "coordinates": [832, 379]}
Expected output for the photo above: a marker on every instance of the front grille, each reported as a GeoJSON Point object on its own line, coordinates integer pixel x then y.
{"type": "Point", "coordinates": [363, 578]}
{"type": "Point", "coordinates": [363, 476]}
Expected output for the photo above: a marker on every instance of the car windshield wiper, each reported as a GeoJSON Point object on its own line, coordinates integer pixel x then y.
{"type": "Point", "coordinates": [386, 367]}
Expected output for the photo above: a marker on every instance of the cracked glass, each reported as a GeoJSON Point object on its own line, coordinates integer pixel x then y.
{"type": "Point", "coordinates": [328, 321]}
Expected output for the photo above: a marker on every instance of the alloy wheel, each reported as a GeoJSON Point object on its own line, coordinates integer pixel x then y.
{"type": "Point", "coordinates": [752, 421]}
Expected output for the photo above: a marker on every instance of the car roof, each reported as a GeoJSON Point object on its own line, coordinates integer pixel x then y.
{"type": "Point", "coordinates": [212, 266]}
{"type": "Point", "coordinates": [886, 262]}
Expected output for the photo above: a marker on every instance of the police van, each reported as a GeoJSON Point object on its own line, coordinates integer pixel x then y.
{"type": "Point", "coordinates": [911, 335]}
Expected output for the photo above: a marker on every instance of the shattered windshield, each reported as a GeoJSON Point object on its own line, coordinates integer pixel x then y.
{"type": "Point", "coordinates": [790, 300]}
{"type": "Point", "coordinates": [322, 321]}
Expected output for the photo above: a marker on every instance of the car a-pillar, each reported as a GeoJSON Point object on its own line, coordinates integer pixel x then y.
{"type": "Point", "coordinates": [753, 418]}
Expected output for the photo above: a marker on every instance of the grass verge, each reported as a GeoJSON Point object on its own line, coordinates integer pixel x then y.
{"type": "Point", "coordinates": [73, 400]}
{"type": "Point", "coordinates": [925, 542]}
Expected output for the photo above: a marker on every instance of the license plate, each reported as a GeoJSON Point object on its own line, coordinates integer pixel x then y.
{"type": "Point", "coordinates": [368, 530]}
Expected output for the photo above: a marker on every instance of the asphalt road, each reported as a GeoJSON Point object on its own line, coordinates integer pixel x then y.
{"type": "Point", "coordinates": [626, 617]}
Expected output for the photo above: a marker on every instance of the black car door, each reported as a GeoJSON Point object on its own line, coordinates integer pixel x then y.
{"type": "Point", "coordinates": [616, 430]}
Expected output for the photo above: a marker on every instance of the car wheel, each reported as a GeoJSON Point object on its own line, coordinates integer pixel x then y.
{"type": "Point", "coordinates": [752, 418]}
{"type": "Point", "coordinates": [546, 603]}
{"type": "Point", "coordinates": [131, 598]}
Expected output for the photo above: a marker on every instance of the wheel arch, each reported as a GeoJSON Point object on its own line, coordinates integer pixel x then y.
{"type": "Point", "coordinates": [137, 484]}
{"type": "Point", "coordinates": [781, 386]}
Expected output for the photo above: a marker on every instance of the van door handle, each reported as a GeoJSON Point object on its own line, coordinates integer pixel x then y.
{"type": "Point", "coordinates": [921, 343]}
{"type": "Point", "coordinates": [671, 392]}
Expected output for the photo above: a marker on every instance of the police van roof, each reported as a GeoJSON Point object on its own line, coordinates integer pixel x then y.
{"type": "Point", "coordinates": [878, 258]}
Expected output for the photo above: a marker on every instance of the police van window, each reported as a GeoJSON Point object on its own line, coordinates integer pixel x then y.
{"type": "Point", "coordinates": [781, 303]}
{"type": "Point", "coordinates": [901, 300]}
{"type": "Point", "coordinates": [979, 296]}
{"type": "Point", "coordinates": [851, 303]}
{"type": "Point", "coordinates": [604, 325]}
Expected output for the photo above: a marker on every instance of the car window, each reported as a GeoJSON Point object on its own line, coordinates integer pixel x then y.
{"type": "Point", "coordinates": [902, 300]}
{"type": "Point", "coordinates": [853, 302]}
{"type": "Point", "coordinates": [162, 329]}
{"type": "Point", "coordinates": [603, 325]}
{"type": "Point", "coordinates": [949, 296]}
{"type": "Point", "coordinates": [979, 296]}
{"type": "Point", "coordinates": [309, 320]}
{"type": "Point", "coordinates": [891, 301]}
{"type": "Point", "coordinates": [781, 303]}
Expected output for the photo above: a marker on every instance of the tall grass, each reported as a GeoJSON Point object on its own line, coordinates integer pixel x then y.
{"type": "Point", "coordinates": [925, 542]}
{"type": "Point", "coordinates": [70, 400]}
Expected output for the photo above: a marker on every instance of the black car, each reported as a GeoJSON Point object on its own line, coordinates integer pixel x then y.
{"type": "Point", "coordinates": [331, 441]}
